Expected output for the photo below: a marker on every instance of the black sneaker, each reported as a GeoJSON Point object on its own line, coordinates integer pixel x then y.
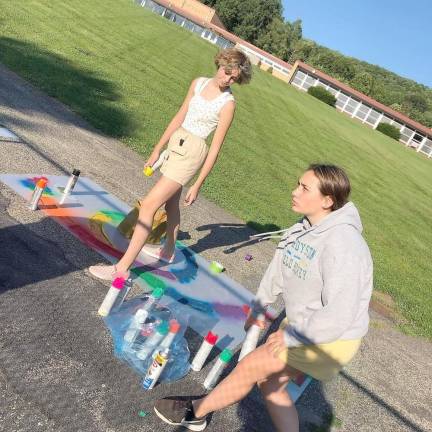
{"type": "Point", "coordinates": [179, 413]}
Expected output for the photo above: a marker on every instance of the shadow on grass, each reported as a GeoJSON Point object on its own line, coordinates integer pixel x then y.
{"type": "Point", "coordinates": [84, 91]}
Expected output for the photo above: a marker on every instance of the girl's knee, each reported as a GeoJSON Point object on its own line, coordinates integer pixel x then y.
{"type": "Point", "coordinates": [148, 207]}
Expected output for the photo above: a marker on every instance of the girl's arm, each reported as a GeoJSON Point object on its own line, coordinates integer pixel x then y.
{"type": "Point", "coordinates": [225, 119]}
{"type": "Point", "coordinates": [175, 123]}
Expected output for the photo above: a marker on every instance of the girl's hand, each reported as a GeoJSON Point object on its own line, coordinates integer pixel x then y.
{"type": "Point", "coordinates": [250, 320]}
{"type": "Point", "coordinates": [276, 343]}
{"type": "Point", "coordinates": [191, 196]}
{"type": "Point", "coordinates": [152, 159]}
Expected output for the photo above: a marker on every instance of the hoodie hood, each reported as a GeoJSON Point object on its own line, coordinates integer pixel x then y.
{"type": "Point", "coordinates": [346, 215]}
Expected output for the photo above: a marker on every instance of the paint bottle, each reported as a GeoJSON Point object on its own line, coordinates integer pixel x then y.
{"type": "Point", "coordinates": [204, 351]}
{"type": "Point", "coordinates": [141, 315]}
{"type": "Point", "coordinates": [109, 300]}
{"type": "Point", "coordinates": [70, 185]}
{"type": "Point", "coordinates": [252, 336]}
{"type": "Point", "coordinates": [37, 193]}
{"type": "Point", "coordinates": [217, 369]}
{"type": "Point", "coordinates": [156, 368]}
{"type": "Point", "coordinates": [149, 170]}
{"type": "Point", "coordinates": [153, 340]}
{"type": "Point", "coordinates": [122, 295]}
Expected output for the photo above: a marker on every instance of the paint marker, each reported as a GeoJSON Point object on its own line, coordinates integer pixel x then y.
{"type": "Point", "coordinates": [149, 170]}
{"type": "Point", "coordinates": [217, 369]}
{"type": "Point", "coordinates": [156, 368]}
{"type": "Point", "coordinates": [141, 315]}
{"type": "Point", "coordinates": [153, 340]}
{"type": "Point", "coordinates": [109, 300]}
{"type": "Point", "coordinates": [37, 193]}
{"type": "Point", "coordinates": [70, 185]}
{"type": "Point", "coordinates": [204, 351]}
{"type": "Point", "coordinates": [251, 339]}
{"type": "Point", "coordinates": [122, 295]}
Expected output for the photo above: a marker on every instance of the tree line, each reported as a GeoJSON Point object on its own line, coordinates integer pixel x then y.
{"type": "Point", "coordinates": [261, 23]}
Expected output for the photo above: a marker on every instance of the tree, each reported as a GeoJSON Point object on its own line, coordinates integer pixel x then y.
{"type": "Point", "coordinates": [363, 82]}
{"type": "Point", "coordinates": [277, 39]}
{"type": "Point", "coordinates": [302, 50]}
{"type": "Point", "coordinates": [248, 19]}
{"type": "Point", "coordinates": [415, 101]}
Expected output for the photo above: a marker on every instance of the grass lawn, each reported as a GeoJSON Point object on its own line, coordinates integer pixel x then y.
{"type": "Point", "coordinates": [126, 71]}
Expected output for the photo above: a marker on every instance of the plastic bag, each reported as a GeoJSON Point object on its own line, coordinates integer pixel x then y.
{"type": "Point", "coordinates": [118, 323]}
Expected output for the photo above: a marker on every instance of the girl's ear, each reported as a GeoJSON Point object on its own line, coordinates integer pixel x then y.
{"type": "Point", "coordinates": [328, 202]}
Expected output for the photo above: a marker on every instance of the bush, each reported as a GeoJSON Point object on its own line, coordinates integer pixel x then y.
{"type": "Point", "coordinates": [388, 129]}
{"type": "Point", "coordinates": [323, 95]}
{"type": "Point", "coordinates": [270, 70]}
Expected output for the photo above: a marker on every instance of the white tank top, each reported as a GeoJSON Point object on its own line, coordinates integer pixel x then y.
{"type": "Point", "coordinates": [203, 115]}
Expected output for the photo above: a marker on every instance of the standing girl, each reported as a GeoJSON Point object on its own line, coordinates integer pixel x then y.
{"type": "Point", "coordinates": [209, 106]}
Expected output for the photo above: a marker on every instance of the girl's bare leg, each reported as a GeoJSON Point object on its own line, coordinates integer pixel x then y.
{"type": "Point", "coordinates": [161, 192]}
{"type": "Point", "coordinates": [172, 208]}
{"type": "Point", "coordinates": [255, 367]}
{"type": "Point", "coordinates": [278, 401]}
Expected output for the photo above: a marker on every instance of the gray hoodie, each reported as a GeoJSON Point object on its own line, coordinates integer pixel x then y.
{"type": "Point", "coordinates": [324, 273]}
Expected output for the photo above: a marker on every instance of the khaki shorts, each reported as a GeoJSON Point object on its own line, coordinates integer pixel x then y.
{"type": "Point", "coordinates": [321, 361]}
{"type": "Point", "coordinates": [186, 155]}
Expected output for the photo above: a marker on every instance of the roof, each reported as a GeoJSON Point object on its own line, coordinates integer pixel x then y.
{"type": "Point", "coordinates": [372, 102]}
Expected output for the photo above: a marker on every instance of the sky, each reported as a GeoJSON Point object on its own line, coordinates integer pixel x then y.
{"type": "Point", "coordinates": [396, 35]}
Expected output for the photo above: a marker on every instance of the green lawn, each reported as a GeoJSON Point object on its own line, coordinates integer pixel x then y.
{"type": "Point", "coordinates": [126, 71]}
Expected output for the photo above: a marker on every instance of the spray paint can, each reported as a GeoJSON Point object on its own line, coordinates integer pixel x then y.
{"type": "Point", "coordinates": [141, 315]}
{"type": "Point", "coordinates": [70, 185]}
{"type": "Point", "coordinates": [174, 327]}
{"type": "Point", "coordinates": [149, 170]}
{"type": "Point", "coordinates": [156, 368]}
{"type": "Point", "coordinates": [122, 295]}
{"type": "Point", "coordinates": [204, 351]}
{"type": "Point", "coordinates": [252, 336]}
{"type": "Point", "coordinates": [111, 296]}
{"type": "Point", "coordinates": [37, 193]}
{"type": "Point", "coordinates": [217, 369]}
{"type": "Point", "coordinates": [153, 340]}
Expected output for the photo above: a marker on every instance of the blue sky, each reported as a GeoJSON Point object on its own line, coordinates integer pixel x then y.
{"type": "Point", "coordinates": [393, 34]}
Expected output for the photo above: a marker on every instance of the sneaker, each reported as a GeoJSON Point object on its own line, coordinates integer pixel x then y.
{"type": "Point", "coordinates": [106, 272]}
{"type": "Point", "coordinates": [179, 413]}
{"type": "Point", "coordinates": [157, 253]}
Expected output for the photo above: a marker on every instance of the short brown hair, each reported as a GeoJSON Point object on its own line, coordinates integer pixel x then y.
{"type": "Point", "coordinates": [233, 58]}
{"type": "Point", "coordinates": [333, 182]}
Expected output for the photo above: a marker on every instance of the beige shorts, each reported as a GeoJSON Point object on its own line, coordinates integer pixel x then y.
{"type": "Point", "coordinates": [320, 361]}
{"type": "Point", "coordinates": [186, 155]}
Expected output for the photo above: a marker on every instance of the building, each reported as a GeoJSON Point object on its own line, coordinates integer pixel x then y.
{"type": "Point", "coordinates": [362, 107]}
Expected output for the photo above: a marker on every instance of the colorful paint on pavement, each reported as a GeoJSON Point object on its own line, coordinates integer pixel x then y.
{"type": "Point", "coordinates": [211, 301]}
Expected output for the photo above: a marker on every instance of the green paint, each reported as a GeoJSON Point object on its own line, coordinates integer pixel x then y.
{"type": "Point", "coordinates": [151, 280]}
{"type": "Point", "coordinates": [142, 413]}
{"type": "Point", "coordinates": [115, 216]}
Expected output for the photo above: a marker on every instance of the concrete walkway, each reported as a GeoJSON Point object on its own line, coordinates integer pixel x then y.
{"type": "Point", "coordinates": [57, 370]}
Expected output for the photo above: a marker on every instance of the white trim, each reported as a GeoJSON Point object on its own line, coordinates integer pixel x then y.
{"type": "Point", "coordinates": [378, 120]}
{"type": "Point", "coordinates": [421, 145]}
{"type": "Point", "coordinates": [356, 110]}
